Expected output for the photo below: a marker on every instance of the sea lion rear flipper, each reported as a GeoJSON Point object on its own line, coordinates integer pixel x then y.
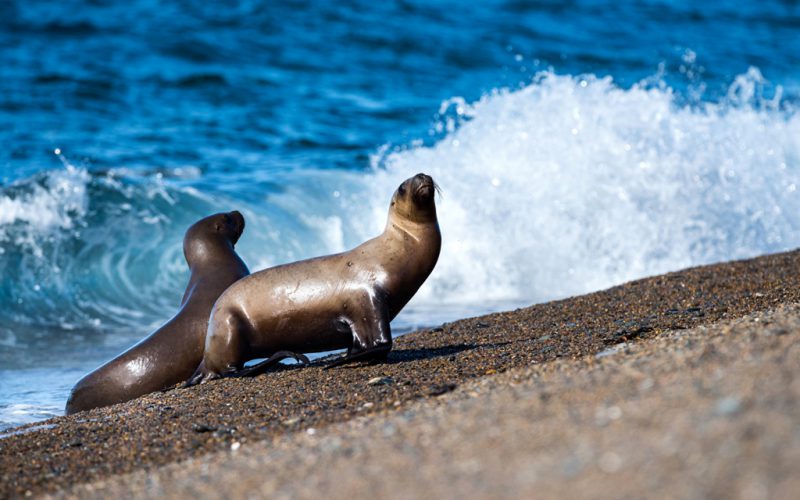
{"type": "Point", "coordinates": [259, 368]}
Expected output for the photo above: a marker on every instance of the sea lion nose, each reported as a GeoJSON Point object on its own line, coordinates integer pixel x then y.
{"type": "Point", "coordinates": [238, 217]}
{"type": "Point", "coordinates": [423, 177]}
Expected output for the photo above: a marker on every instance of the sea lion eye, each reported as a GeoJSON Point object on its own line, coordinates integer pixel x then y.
{"type": "Point", "coordinates": [402, 189]}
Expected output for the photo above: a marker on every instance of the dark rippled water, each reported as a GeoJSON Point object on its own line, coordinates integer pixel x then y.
{"type": "Point", "coordinates": [578, 145]}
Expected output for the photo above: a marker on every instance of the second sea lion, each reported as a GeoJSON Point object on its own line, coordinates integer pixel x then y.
{"type": "Point", "coordinates": [171, 353]}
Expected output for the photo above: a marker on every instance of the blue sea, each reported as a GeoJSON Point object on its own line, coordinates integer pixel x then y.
{"type": "Point", "coordinates": [578, 145]}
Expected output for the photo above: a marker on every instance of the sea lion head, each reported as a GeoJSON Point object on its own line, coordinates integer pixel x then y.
{"type": "Point", "coordinates": [209, 234]}
{"type": "Point", "coordinates": [414, 199]}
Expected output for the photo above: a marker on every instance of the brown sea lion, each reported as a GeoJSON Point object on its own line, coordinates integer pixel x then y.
{"type": "Point", "coordinates": [171, 353]}
{"type": "Point", "coordinates": [338, 301]}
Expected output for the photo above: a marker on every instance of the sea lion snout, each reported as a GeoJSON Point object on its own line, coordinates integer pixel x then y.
{"type": "Point", "coordinates": [415, 199]}
{"type": "Point", "coordinates": [238, 220]}
{"type": "Point", "coordinates": [424, 186]}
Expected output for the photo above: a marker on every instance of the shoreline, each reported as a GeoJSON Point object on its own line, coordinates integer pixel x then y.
{"type": "Point", "coordinates": [424, 366]}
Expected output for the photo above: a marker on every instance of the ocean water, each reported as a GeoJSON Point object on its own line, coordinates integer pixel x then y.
{"type": "Point", "coordinates": [577, 144]}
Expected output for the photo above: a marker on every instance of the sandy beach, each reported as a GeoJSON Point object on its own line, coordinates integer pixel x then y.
{"type": "Point", "coordinates": [681, 385]}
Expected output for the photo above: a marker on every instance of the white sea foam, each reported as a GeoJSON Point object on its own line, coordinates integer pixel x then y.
{"type": "Point", "coordinates": [53, 203]}
{"type": "Point", "coordinates": [572, 184]}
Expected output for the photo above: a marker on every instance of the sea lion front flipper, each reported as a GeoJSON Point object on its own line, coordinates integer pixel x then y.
{"type": "Point", "coordinates": [372, 335]}
{"type": "Point", "coordinates": [199, 376]}
{"type": "Point", "coordinates": [259, 368]}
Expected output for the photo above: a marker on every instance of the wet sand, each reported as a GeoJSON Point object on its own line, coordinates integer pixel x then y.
{"type": "Point", "coordinates": [686, 396]}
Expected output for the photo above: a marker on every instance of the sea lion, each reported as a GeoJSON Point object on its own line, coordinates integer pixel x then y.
{"type": "Point", "coordinates": [337, 301]}
{"type": "Point", "coordinates": [171, 353]}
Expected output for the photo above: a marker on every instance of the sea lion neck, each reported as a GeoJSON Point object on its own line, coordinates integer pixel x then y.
{"type": "Point", "coordinates": [414, 229]}
{"type": "Point", "coordinates": [204, 251]}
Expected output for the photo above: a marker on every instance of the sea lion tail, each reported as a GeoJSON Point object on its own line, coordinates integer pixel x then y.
{"type": "Point", "coordinates": [259, 368]}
